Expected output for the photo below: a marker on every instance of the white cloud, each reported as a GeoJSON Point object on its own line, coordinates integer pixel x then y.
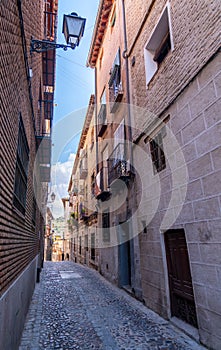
{"type": "Point", "coordinates": [60, 177]}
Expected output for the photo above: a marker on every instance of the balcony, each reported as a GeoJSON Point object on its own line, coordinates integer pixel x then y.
{"type": "Point", "coordinates": [45, 173]}
{"type": "Point", "coordinates": [102, 120]}
{"type": "Point", "coordinates": [116, 96]}
{"type": "Point", "coordinates": [44, 149]}
{"type": "Point", "coordinates": [103, 191]}
{"type": "Point", "coordinates": [83, 170]}
{"type": "Point", "coordinates": [118, 167]}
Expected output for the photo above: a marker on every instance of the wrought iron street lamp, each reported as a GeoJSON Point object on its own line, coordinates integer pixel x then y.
{"type": "Point", "coordinates": [53, 197]}
{"type": "Point", "coordinates": [73, 29]}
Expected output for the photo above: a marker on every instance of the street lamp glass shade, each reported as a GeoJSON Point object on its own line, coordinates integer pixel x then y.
{"type": "Point", "coordinates": [52, 196]}
{"type": "Point", "coordinates": [73, 29]}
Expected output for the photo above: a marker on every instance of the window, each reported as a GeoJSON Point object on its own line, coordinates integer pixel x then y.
{"type": "Point", "coordinates": [92, 138]}
{"type": "Point", "coordinates": [113, 18]}
{"type": "Point", "coordinates": [86, 242]}
{"type": "Point", "coordinates": [157, 153]}
{"type": "Point", "coordinates": [115, 85]}
{"type": "Point", "coordinates": [21, 172]}
{"type": "Point", "coordinates": [159, 45]}
{"type": "Point", "coordinates": [119, 141]}
{"type": "Point", "coordinates": [80, 246]}
{"type": "Point", "coordinates": [102, 115]}
{"type": "Point", "coordinates": [93, 246]}
{"type": "Point", "coordinates": [93, 185]}
{"type": "Point", "coordinates": [101, 57]}
{"type": "Point", "coordinates": [106, 226]}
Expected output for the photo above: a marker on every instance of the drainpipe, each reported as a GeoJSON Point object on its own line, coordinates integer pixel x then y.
{"type": "Point", "coordinates": [125, 56]}
{"type": "Point", "coordinates": [129, 139]}
{"type": "Point", "coordinates": [95, 109]}
{"type": "Point", "coordinates": [25, 53]}
{"type": "Point", "coordinates": [134, 274]}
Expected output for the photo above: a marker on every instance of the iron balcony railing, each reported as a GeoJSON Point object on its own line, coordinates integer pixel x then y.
{"type": "Point", "coordinates": [104, 192]}
{"type": "Point", "coordinates": [118, 167]}
{"type": "Point", "coordinates": [44, 148]}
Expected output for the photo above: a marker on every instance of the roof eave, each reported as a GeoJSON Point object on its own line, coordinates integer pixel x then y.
{"type": "Point", "coordinates": [103, 13]}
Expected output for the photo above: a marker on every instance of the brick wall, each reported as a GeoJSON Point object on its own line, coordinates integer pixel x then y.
{"type": "Point", "coordinates": [195, 31]}
{"type": "Point", "coordinates": [19, 95]}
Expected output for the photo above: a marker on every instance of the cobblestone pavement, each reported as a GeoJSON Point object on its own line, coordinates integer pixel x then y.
{"type": "Point", "coordinates": [73, 307]}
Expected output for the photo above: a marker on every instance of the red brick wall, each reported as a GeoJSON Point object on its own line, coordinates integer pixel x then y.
{"type": "Point", "coordinates": [19, 238]}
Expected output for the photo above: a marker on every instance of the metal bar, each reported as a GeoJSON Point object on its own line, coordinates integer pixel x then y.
{"type": "Point", "coordinates": [45, 45]}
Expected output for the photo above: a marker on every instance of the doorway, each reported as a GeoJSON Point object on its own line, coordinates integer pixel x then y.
{"type": "Point", "coordinates": [124, 254]}
{"type": "Point", "coordinates": [179, 275]}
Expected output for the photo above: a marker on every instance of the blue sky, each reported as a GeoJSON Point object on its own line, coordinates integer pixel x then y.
{"type": "Point", "coordinates": [73, 87]}
{"type": "Point", "coordinates": [74, 81]}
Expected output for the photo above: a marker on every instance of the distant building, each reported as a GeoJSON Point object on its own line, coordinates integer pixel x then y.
{"type": "Point", "coordinates": [48, 235]}
{"type": "Point", "coordinates": [26, 110]}
{"type": "Point", "coordinates": [82, 192]}
{"type": "Point", "coordinates": [58, 239]}
{"type": "Point", "coordinates": [67, 231]}
{"type": "Point", "coordinates": [119, 254]}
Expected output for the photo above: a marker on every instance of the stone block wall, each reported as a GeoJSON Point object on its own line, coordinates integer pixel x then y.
{"type": "Point", "coordinates": [195, 206]}
{"type": "Point", "coordinates": [186, 194]}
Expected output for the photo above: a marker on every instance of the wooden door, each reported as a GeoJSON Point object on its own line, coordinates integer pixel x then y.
{"type": "Point", "coordinates": [124, 255]}
{"type": "Point", "coordinates": [180, 280]}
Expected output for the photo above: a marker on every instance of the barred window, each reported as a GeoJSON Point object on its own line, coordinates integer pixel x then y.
{"type": "Point", "coordinates": [21, 172]}
{"type": "Point", "coordinates": [157, 153]}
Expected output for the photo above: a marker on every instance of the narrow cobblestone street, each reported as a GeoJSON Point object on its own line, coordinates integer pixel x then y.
{"type": "Point", "coordinates": [73, 307]}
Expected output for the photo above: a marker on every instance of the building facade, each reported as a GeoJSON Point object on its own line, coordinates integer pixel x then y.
{"type": "Point", "coordinates": [175, 78]}
{"type": "Point", "coordinates": [26, 92]}
{"type": "Point", "coordinates": [119, 253]}
{"type": "Point", "coordinates": [157, 94]}
{"type": "Point", "coordinates": [83, 222]}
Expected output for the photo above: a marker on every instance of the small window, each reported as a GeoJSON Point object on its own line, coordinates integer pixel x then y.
{"type": "Point", "coordinates": [157, 153]}
{"type": "Point", "coordinates": [113, 18]}
{"type": "Point", "coordinates": [86, 243]}
{"type": "Point", "coordinates": [159, 45]}
{"type": "Point", "coordinates": [93, 185]}
{"type": "Point", "coordinates": [106, 226]}
{"type": "Point", "coordinates": [21, 172]}
{"type": "Point", "coordinates": [101, 57]}
{"type": "Point", "coordinates": [92, 138]}
{"type": "Point", "coordinates": [80, 245]}
{"type": "Point", "coordinates": [93, 254]}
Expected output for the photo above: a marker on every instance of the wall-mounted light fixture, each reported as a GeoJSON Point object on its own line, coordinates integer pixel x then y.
{"type": "Point", "coordinates": [73, 29]}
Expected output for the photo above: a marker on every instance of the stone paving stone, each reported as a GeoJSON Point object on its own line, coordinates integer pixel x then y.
{"type": "Point", "coordinates": [73, 307]}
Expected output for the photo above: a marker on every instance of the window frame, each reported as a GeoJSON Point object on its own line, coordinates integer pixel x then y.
{"type": "Point", "coordinates": [157, 152]}
{"type": "Point", "coordinates": [21, 169]}
{"type": "Point", "coordinates": [162, 28]}
{"type": "Point", "coordinates": [115, 83]}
